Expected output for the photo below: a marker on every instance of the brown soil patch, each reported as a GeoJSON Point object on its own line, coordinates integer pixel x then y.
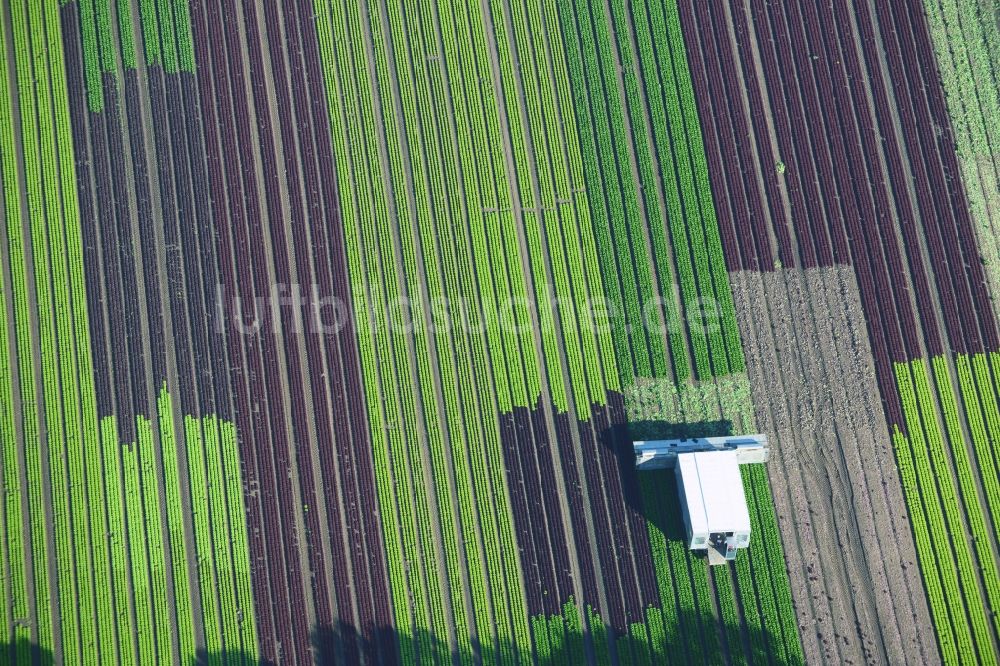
{"type": "Point", "coordinates": [848, 544]}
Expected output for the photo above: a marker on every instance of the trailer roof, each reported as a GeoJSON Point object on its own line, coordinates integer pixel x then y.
{"type": "Point", "coordinates": [713, 490]}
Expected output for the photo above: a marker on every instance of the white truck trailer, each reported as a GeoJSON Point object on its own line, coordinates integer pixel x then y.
{"type": "Point", "coordinates": [713, 503]}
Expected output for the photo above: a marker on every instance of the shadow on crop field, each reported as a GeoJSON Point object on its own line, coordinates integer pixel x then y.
{"type": "Point", "coordinates": [568, 649]}
{"type": "Point", "coordinates": [619, 437]}
{"type": "Point", "coordinates": [666, 635]}
{"type": "Point", "coordinates": [564, 648]}
{"type": "Point", "coordinates": [343, 645]}
{"type": "Point", "coordinates": [226, 657]}
{"type": "Point", "coordinates": [692, 637]}
{"type": "Point", "coordinates": [23, 651]}
{"type": "Point", "coordinates": [626, 432]}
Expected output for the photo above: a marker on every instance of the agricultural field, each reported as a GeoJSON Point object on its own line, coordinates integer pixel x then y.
{"type": "Point", "coordinates": [878, 144]}
{"type": "Point", "coordinates": [327, 328]}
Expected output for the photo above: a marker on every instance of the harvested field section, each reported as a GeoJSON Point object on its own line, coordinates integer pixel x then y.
{"type": "Point", "coordinates": [848, 542]}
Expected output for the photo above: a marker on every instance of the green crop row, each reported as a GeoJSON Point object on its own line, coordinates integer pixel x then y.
{"type": "Point", "coordinates": [451, 355]}
{"type": "Point", "coordinates": [210, 607]}
{"type": "Point", "coordinates": [422, 272]}
{"type": "Point", "coordinates": [167, 36]}
{"type": "Point", "coordinates": [469, 352]}
{"type": "Point", "coordinates": [600, 637]}
{"type": "Point", "coordinates": [117, 545]}
{"type": "Point", "coordinates": [406, 131]}
{"type": "Point", "coordinates": [638, 643]}
{"type": "Point", "coordinates": [11, 503]}
{"type": "Point", "coordinates": [605, 206]}
{"type": "Point", "coordinates": [411, 361]}
{"type": "Point", "coordinates": [569, 234]}
{"type": "Point", "coordinates": [238, 539]}
{"type": "Point", "coordinates": [948, 496]}
{"type": "Point", "coordinates": [932, 580]}
{"type": "Point", "coordinates": [711, 244]}
{"type": "Point", "coordinates": [106, 527]}
{"type": "Point", "coordinates": [87, 480]}
{"type": "Point", "coordinates": [671, 151]}
{"type": "Point", "coordinates": [975, 516]}
{"type": "Point", "coordinates": [138, 541]}
{"type": "Point", "coordinates": [729, 613]}
{"type": "Point", "coordinates": [979, 399]}
{"type": "Point", "coordinates": [924, 468]}
{"type": "Point", "coordinates": [683, 170]}
{"type": "Point", "coordinates": [485, 455]}
{"type": "Point", "coordinates": [175, 524]}
{"type": "Point", "coordinates": [619, 224]}
{"type": "Point", "coordinates": [767, 563]}
{"type": "Point", "coordinates": [415, 591]}
{"type": "Point", "coordinates": [150, 21]}
{"type": "Point", "coordinates": [656, 81]}
{"type": "Point", "coordinates": [152, 500]}
{"type": "Point", "coordinates": [125, 37]}
{"type": "Point", "coordinates": [570, 179]}
{"type": "Point", "coordinates": [490, 219]}
{"type": "Point", "coordinates": [164, 27]}
{"type": "Point", "coordinates": [559, 639]}
{"type": "Point", "coordinates": [532, 213]}
{"type": "Point", "coordinates": [221, 550]}
{"type": "Point", "coordinates": [962, 576]}
{"type": "Point", "coordinates": [53, 355]}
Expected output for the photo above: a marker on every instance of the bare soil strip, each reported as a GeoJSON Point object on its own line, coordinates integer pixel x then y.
{"type": "Point", "coordinates": [851, 558]}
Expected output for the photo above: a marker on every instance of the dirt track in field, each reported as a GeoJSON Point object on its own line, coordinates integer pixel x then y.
{"type": "Point", "coordinates": [848, 545]}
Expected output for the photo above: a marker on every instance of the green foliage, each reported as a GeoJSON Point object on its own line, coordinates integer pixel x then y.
{"type": "Point", "coordinates": [659, 409]}
{"type": "Point", "coordinates": [614, 206]}
{"type": "Point", "coordinates": [669, 188]}
{"type": "Point", "coordinates": [940, 484]}
{"type": "Point", "coordinates": [166, 36]}
{"type": "Point", "coordinates": [106, 524]}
